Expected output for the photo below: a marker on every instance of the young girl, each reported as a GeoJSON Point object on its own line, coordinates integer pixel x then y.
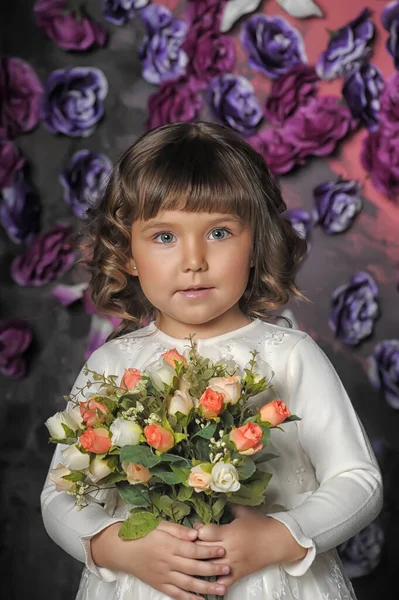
{"type": "Point", "coordinates": [190, 233]}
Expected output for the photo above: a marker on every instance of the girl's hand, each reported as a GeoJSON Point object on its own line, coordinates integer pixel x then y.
{"type": "Point", "coordinates": [167, 559]}
{"type": "Point", "coordinates": [252, 542]}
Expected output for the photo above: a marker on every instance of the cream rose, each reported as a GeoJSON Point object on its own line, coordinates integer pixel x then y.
{"type": "Point", "coordinates": [199, 479]}
{"type": "Point", "coordinates": [125, 433]}
{"type": "Point", "coordinates": [74, 413]}
{"type": "Point", "coordinates": [54, 425]}
{"type": "Point", "coordinates": [180, 402]}
{"type": "Point", "coordinates": [74, 459]}
{"type": "Point", "coordinates": [136, 473]}
{"type": "Point", "coordinates": [229, 386]}
{"type": "Point", "coordinates": [161, 374]}
{"type": "Point", "coordinates": [224, 478]}
{"type": "Point", "coordinates": [98, 469]}
{"type": "Point", "coordinates": [56, 475]}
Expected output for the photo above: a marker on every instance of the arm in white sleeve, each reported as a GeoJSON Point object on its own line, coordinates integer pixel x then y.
{"type": "Point", "coordinates": [349, 495]}
{"type": "Point", "coordinates": [68, 527]}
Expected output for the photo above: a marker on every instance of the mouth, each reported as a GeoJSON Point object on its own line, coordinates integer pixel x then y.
{"type": "Point", "coordinates": [195, 291]}
{"type": "Point", "coordinates": [195, 288]}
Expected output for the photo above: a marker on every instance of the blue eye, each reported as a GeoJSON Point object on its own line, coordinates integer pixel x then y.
{"type": "Point", "coordinates": [165, 238]}
{"type": "Point", "coordinates": [220, 234]}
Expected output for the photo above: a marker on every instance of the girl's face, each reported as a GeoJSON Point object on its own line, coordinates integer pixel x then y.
{"type": "Point", "coordinates": [193, 268]}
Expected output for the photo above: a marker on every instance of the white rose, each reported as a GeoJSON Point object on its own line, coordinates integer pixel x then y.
{"type": "Point", "coordinates": [161, 374]}
{"type": "Point", "coordinates": [73, 413]}
{"type": "Point", "coordinates": [56, 475]}
{"type": "Point", "coordinates": [229, 386]}
{"type": "Point", "coordinates": [224, 478]}
{"type": "Point", "coordinates": [125, 433]}
{"type": "Point", "coordinates": [180, 402]}
{"type": "Point", "coordinates": [54, 425]}
{"type": "Point", "coordinates": [74, 459]}
{"type": "Point", "coordinates": [98, 470]}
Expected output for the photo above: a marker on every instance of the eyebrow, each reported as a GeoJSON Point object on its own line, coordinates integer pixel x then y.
{"type": "Point", "coordinates": [171, 225]}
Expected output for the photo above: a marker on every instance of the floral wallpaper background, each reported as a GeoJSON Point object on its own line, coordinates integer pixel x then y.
{"type": "Point", "coordinates": [314, 86]}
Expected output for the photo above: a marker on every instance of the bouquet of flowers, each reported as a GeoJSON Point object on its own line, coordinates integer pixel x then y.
{"type": "Point", "coordinates": [180, 440]}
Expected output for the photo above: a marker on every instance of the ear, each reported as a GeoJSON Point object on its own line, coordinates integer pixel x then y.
{"type": "Point", "coordinates": [131, 268]}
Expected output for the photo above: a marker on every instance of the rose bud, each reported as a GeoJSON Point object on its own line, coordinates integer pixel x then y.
{"type": "Point", "coordinates": [125, 433]}
{"type": "Point", "coordinates": [274, 413]}
{"type": "Point", "coordinates": [180, 402]}
{"type": "Point", "coordinates": [211, 403]}
{"type": "Point", "coordinates": [172, 357]}
{"type": "Point", "coordinates": [229, 386]}
{"type": "Point", "coordinates": [247, 438]}
{"type": "Point", "coordinates": [96, 440]}
{"type": "Point", "coordinates": [130, 378]}
{"type": "Point", "coordinates": [199, 479]}
{"type": "Point", "coordinates": [159, 437]}
{"type": "Point", "coordinates": [98, 469]}
{"type": "Point", "coordinates": [74, 459]}
{"type": "Point", "coordinates": [136, 473]}
{"type": "Point", "coordinates": [93, 411]}
{"type": "Point", "coordinates": [224, 478]}
{"type": "Point", "coordinates": [54, 425]}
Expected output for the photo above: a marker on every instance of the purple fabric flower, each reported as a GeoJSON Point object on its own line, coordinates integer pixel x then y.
{"type": "Point", "coordinates": [70, 30]}
{"type": "Point", "coordinates": [48, 257]}
{"type": "Point", "coordinates": [210, 54]}
{"type": "Point", "coordinates": [354, 309]}
{"type": "Point", "coordinates": [232, 100]}
{"type": "Point", "coordinates": [317, 127]}
{"type": "Point", "coordinates": [173, 102]}
{"type": "Point", "coordinates": [336, 205]}
{"type": "Point", "coordinates": [389, 115]}
{"type": "Point", "coordinates": [73, 101]}
{"type": "Point", "coordinates": [273, 45]}
{"type": "Point", "coordinates": [11, 162]}
{"type": "Point", "coordinates": [361, 554]}
{"type": "Point", "coordinates": [84, 180]}
{"type": "Point", "coordinates": [69, 294]}
{"type": "Point", "coordinates": [289, 92]}
{"type": "Point", "coordinates": [15, 338]}
{"type": "Point", "coordinates": [20, 93]}
{"type": "Point", "coordinates": [280, 154]}
{"type": "Point", "coordinates": [300, 220]}
{"type": "Point", "coordinates": [119, 12]}
{"type": "Point", "coordinates": [348, 48]}
{"type": "Point", "coordinates": [205, 14]}
{"type": "Point", "coordinates": [380, 158]}
{"type": "Point", "coordinates": [390, 22]}
{"type": "Point", "coordinates": [19, 211]}
{"type": "Point", "coordinates": [161, 53]}
{"type": "Point", "coordinates": [383, 370]}
{"type": "Point", "coordinates": [100, 329]}
{"type": "Point", "coordinates": [361, 91]}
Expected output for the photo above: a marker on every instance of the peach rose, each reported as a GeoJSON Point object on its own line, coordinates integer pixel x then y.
{"type": "Point", "coordinates": [92, 411]}
{"type": "Point", "coordinates": [211, 403]}
{"type": "Point", "coordinates": [130, 378]}
{"type": "Point", "coordinates": [159, 437]}
{"type": "Point", "coordinates": [96, 440]}
{"type": "Point", "coordinates": [247, 438]}
{"type": "Point", "coordinates": [173, 356]}
{"type": "Point", "coordinates": [199, 479]}
{"type": "Point", "coordinates": [230, 386]}
{"type": "Point", "coordinates": [136, 473]}
{"type": "Point", "coordinates": [274, 412]}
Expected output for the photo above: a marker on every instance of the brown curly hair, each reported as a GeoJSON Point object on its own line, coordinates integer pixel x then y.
{"type": "Point", "coordinates": [191, 167]}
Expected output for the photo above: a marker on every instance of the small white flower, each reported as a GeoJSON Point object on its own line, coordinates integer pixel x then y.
{"type": "Point", "coordinates": [301, 9]}
{"type": "Point", "coordinates": [74, 459]}
{"type": "Point", "coordinates": [224, 478]}
{"type": "Point", "coordinates": [54, 425]}
{"type": "Point", "coordinates": [125, 433]}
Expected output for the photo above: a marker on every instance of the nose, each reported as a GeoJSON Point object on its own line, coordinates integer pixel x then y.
{"type": "Point", "coordinates": [194, 256]}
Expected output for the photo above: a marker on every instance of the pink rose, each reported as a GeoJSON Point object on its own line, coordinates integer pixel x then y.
{"type": "Point", "coordinates": [69, 30]}
{"type": "Point", "coordinates": [380, 158]}
{"type": "Point", "coordinates": [159, 437]}
{"type": "Point", "coordinates": [173, 102]}
{"type": "Point", "coordinates": [211, 403]}
{"type": "Point", "coordinates": [172, 357]}
{"type": "Point", "coordinates": [274, 413]}
{"type": "Point", "coordinates": [136, 473]}
{"type": "Point", "coordinates": [93, 411]}
{"type": "Point", "coordinates": [247, 438]}
{"type": "Point", "coordinates": [96, 440]}
{"type": "Point", "coordinates": [20, 91]}
{"type": "Point", "coordinates": [199, 479]}
{"type": "Point", "coordinates": [130, 378]}
{"type": "Point", "coordinates": [11, 161]}
{"type": "Point", "coordinates": [280, 154]}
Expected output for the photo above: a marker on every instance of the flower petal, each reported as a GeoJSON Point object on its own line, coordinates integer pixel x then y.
{"type": "Point", "coordinates": [235, 9]}
{"type": "Point", "coordinates": [301, 9]}
{"type": "Point", "coordinates": [68, 294]}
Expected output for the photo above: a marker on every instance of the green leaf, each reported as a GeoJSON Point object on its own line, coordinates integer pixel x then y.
{"type": "Point", "coordinates": [69, 433]}
{"type": "Point", "coordinates": [179, 437]}
{"type": "Point", "coordinates": [138, 525]}
{"type": "Point", "coordinates": [292, 418]}
{"type": "Point", "coordinates": [202, 509]}
{"type": "Point", "coordinates": [67, 441]}
{"type": "Point", "coordinates": [166, 476]}
{"type": "Point", "coordinates": [218, 507]}
{"type": "Point", "coordinates": [251, 493]}
{"type": "Point", "coordinates": [207, 432]}
{"type": "Point", "coordinates": [174, 509]}
{"type": "Point", "coordinates": [228, 420]}
{"type": "Point", "coordinates": [173, 458]}
{"type": "Point", "coordinates": [181, 472]}
{"type": "Point", "coordinates": [137, 495]}
{"type": "Point", "coordinates": [141, 455]}
{"type": "Point", "coordinates": [246, 468]}
{"type": "Point", "coordinates": [185, 493]}
{"type": "Point", "coordinates": [113, 478]}
{"type": "Point", "coordinates": [74, 476]}
{"type": "Point", "coordinates": [246, 500]}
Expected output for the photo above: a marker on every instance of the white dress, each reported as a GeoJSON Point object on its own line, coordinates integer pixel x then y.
{"type": "Point", "coordinates": [326, 485]}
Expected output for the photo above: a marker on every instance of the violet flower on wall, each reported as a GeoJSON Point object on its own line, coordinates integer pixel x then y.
{"type": "Point", "coordinates": [354, 309]}
{"type": "Point", "coordinates": [48, 257]}
{"type": "Point", "coordinates": [362, 90]}
{"type": "Point", "coordinates": [11, 162]}
{"type": "Point", "coordinates": [390, 22]}
{"type": "Point", "coordinates": [273, 45]}
{"type": "Point", "coordinates": [361, 554]}
{"type": "Point", "coordinates": [174, 101]}
{"type": "Point", "coordinates": [233, 102]}
{"type": "Point", "coordinates": [161, 53]}
{"type": "Point", "coordinates": [20, 93]}
{"type": "Point", "coordinates": [383, 370]}
{"type": "Point", "coordinates": [84, 180]}
{"type": "Point", "coordinates": [380, 158]}
{"type": "Point", "coordinates": [70, 30]}
{"type": "Point", "coordinates": [336, 205]}
{"type": "Point", "coordinates": [348, 47]}
{"type": "Point", "coordinates": [15, 339]}
{"type": "Point", "coordinates": [119, 12]}
{"type": "Point", "coordinates": [20, 211]}
{"type": "Point", "coordinates": [73, 101]}
{"type": "Point", "coordinates": [300, 220]}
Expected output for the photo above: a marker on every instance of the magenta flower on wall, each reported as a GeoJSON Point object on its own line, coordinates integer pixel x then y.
{"type": "Point", "coordinates": [361, 554]}
{"type": "Point", "coordinates": [233, 102]}
{"type": "Point", "coordinates": [300, 220]}
{"type": "Point", "coordinates": [70, 30]}
{"type": "Point", "coordinates": [84, 180]}
{"type": "Point", "coordinates": [390, 22]}
{"type": "Point", "coordinates": [278, 151]}
{"type": "Point", "coordinates": [273, 45]}
{"type": "Point", "coordinates": [161, 54]}
{"type": "Point", "coordinates": [11, 162]}
{"type": "Point", "coordinates": [354, 309]}
{"type": "Point", "coordinates": [362, 90]}
{"type": "Point", "coordinates": [174, 101]}
{"type": "Point", "coordinates": [20, 93]}
{"type": "Point", "coordinates": [205, 14]}
{"type": "Point", "coordinates": [48, 257]}
{"type": "Point", "coordinates": [383, 370]}
{"type": "Point", "coordinates": [348, 48]}
{"type": "Point", "coordinates": [380, 158]}
{"type": "Point", "coordinates": [15, 339]}
{"type": "Point", "coordinates": [119, 12]}
{"type": "Point", "coordinates": [389, 115]}
{"type": "Point", "coordinates": [289, 92]}
{"type": "Point", "coordinates": [20, 211]}
{"type": "Point", "coordinates": [73, 101]}
{"type": "Point", "coordinates": [336, 205]}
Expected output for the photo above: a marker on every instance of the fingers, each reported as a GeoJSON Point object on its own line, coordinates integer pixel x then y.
{"type": "Point", "coordinates": [178, 531]}
{"type": "Point", "coordinates": [203, 568]}
{"type": "Point", "coordinates": [174, 592]}
{"type": "Point", "coordinates": [210, 533]}
{"type": "Point", "coordinates": [198, 586]}
{"type": "Point", "coordinates": [199, 551]}
{"type": "Point", "coordinates": [226, 581]}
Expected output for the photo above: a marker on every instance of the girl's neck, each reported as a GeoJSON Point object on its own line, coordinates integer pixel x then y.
{"type": "Point", "coordinates": [233, 319]}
